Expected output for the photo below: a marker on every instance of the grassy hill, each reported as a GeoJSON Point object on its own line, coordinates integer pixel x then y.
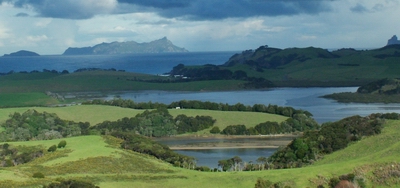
{"type": "Point", "coordinates": [95, 114]}
{"type": "Point", "coordinates": [97, 159]}
{"type": "Point", "coordinates": [318, 67]}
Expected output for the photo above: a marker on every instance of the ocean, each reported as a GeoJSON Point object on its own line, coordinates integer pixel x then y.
{"type": "Point", "coordinates": [156, 63]}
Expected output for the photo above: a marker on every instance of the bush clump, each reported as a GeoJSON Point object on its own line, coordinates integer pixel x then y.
{"type": "Point", "coordinates": [215, 130]}
{"type": "Point", "coordinates": [52, 148]}
{"type": "Point", "coordinates": [62, 144]}
{"type": "Point", "coordinates": [38, 175]}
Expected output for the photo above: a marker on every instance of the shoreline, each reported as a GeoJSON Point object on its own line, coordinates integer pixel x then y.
{"type": "Point", "coordinates": [203, 137]}
{"type": "Point", "coordinates": [220, 147]}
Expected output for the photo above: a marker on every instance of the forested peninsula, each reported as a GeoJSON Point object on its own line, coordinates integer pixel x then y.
{"type": "Point", "coordinates": [380, 91]}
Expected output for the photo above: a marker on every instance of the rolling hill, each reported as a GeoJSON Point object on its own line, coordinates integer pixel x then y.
{"type": "Point", "coordinates": [373, 159]}
{"type": "Point", "coordinates": [318, 67]}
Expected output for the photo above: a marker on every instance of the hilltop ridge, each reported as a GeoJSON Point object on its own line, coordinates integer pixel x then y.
{"type": "Point", "coordinates": [162, 45]}
{"type": "Point", "coordinates": [393, 41]}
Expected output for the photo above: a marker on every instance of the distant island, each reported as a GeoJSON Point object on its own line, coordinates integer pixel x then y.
{"type": "Point", "coordinates": [21, 53]}
{"type": "Point", "coordinates": [162, 45]}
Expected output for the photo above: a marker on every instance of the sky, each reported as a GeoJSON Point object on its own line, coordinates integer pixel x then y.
{"type": "Point", "coordinates": [51, 26]}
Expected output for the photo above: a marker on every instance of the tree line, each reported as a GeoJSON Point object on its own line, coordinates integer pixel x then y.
{"type": "Point", "coordinates": [297, 123]}
{"type": "Point", "coordinates": [156, 123]}
{"type": "Point", "coordinates": [207, 105]}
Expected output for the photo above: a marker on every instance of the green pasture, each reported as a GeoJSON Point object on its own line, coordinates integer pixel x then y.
{"type": "Point", "coordinates": [95, 114]}
{"type": "Point", "coordinates": [26, 99]}
{"type": "Point", "coordinates": [226, 118]}
{"type": "Point", "coordinates": [99, 160]}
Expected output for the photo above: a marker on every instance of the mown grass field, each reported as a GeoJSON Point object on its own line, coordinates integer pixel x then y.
{"type": "Point", "coordinates": [95, 114]}
{"type": "Point", "coordinates": [101, 161]}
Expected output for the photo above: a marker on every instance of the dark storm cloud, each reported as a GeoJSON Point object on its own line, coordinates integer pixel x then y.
{"type": "Point", "coordinates": [220, 9]}
{"type": "Point", "coordinates": [67, 9]}
{"type": "Point", "coordinates": [159, 4]}
{"type": "Point", "coordinates": [184, 9]}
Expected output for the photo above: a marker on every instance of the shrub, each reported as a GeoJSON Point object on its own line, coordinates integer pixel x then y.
{"type": "Point", "coordinates": [52, 148]}
{"type": "Point", "coordinates": [333, 182]}
{"type": "Point", "coordinates": [62, 144]}
{"type": "Point", "coordinates": [38, 175]}
{"type": "Point", "coordinates": [71, 183]}
{"type": "Point", "coordinates": [215, 130]}
{"type": "Point", "coordinates": [261, 183]}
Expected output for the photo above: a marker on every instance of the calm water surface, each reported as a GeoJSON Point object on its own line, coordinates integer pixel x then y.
{"type": "Point", "coordinates": [210, 157]}
{"type": "Point", "coordinates": [324, 110]}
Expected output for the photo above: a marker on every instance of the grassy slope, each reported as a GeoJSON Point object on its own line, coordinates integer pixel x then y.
{"type": "Point", "coordinates": [319, 71]}
{"type": "Point", "coordinates": [378, 149]}
{"type": "Point", "coordinates": [97, 113]}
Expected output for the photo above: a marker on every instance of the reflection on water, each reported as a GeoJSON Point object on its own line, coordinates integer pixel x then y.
{"type": "Point", "coordinates": [210, 157]}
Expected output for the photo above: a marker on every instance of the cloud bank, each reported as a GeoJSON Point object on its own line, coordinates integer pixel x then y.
{"type": "Point", "coordinates": [182, 9]}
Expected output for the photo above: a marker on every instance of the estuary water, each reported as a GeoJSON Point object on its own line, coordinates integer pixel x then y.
{"type": "Point", "coordinates": [324, 110]}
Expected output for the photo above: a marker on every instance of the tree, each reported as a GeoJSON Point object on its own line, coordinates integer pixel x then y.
{"type": "Point", "coordinates": [62, 144]}
{"type": "Point", "coordinates": [237, 160]}
{"type": "Point", "coordinates": [52, 148]}
{"type": "Point", "coordinates": [261, 162]}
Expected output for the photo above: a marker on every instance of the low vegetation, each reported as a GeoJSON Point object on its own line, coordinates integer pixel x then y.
{"type": "Point", "coordinates": [381, 91]}
{"type": "Point", "coordinates": [32, 125]}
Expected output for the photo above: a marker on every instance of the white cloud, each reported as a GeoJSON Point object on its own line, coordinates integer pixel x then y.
{"type": "Point", "coordinates": [38, 38]}
{"type": "Point", "coordinates": [4, 32]}
{"type": "Point", "coordinates": [43, 22]}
